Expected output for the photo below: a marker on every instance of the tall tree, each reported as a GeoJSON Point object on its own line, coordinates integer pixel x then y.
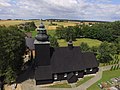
{"type": "Point", "coordinates": [69, 33]}
{"type": "Point", "coordinates": [60, 32]}
{"type": "Point", "coordinates": [105, 52]}
{"type": "Point", "coordinates": [53, 42]}
{"type": "Point", "coordinates": [12, 47]}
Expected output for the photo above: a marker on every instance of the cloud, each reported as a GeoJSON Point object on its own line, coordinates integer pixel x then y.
{"type": "Point", "coordinates": [70, 9]}
{"type": "Point", "coordinates": [4, 3]}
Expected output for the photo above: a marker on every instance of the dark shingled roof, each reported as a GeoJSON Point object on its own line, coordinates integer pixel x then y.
{"type": "Point", "coordinates": [43, 73]}
{"type": "Point", "coordinates": [30, 43]}
{"type": "Point", "coordinates": [65, 59]}
{"type": "Point", "coordinates": [89, 60]}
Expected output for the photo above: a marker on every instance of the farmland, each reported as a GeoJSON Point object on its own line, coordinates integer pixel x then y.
{"type": "Point", "coordinates": [37, 22]}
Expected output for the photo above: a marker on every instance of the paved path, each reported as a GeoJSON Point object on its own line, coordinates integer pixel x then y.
{"type": "Point", "coordinates": [84, 86]}
{"type": "Point", "coordinates": [93, 80]}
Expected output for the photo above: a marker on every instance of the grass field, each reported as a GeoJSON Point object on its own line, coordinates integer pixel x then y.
{"type": "Point", "coordinates": [37, 22]}
{"type": "Point", "coordinates": [12, 22]}
{"type": "Point", "coordinates": [107, 75]}
{"type": "Point", "coordinates": [90, 42]}
{"type": "Point", "coordinates": [64, 85]}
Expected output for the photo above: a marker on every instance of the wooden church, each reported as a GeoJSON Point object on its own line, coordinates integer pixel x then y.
{"type": "Point", "coordinates": [61, 63]}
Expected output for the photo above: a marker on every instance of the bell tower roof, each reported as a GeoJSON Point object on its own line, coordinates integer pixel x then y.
{"type": "Point", "coordinates": [41, 25]}
{"type": "Point", "coordinates": [42, 34]}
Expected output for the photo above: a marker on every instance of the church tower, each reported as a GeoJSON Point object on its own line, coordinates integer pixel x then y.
{"type": "Point", "coordinates": [42, 47]}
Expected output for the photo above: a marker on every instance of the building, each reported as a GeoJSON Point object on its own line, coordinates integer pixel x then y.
{"type": "Point", "coordinates": [62, 63]}
{"type": "Point", "coordinates": [30, 49]}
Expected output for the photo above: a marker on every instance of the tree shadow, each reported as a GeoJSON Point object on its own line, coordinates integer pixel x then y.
{"type": "Point", "coordinates": [27, 72]}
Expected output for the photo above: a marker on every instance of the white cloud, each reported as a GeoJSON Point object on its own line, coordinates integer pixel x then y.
{"type": "Point", "coordinates": [71, 9]}
{"type": "Point", "coordinates": [4, 3]}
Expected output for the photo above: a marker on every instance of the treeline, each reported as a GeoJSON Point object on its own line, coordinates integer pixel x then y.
{"type": "Point", "coordinates": [27, 26]}
{"type": "Point", "coordinates": [105, 52]}
{"type": "Point", "coordinates": [102, 31]}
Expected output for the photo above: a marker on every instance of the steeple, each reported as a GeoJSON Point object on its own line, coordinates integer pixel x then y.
{"type": "Point", "coordinates": [42, 47]}
{"type": "Point", "coordinates": [42, 34]}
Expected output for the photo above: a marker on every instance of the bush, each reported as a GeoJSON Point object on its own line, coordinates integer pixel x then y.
{"type": "Point", "coordinates": [84, 47]}
{"type": "Point", "coordinates": [53, 42]}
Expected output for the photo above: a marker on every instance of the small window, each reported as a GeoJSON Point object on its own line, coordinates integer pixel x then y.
{"type": "Point", "coordinates": [76, 73]}
{"type": "Point", "coordinates": [65, 75]}
{"type": "Point", "coordinates": [55, 76]}
{"type": "Point", "coordinates": [91, 69]}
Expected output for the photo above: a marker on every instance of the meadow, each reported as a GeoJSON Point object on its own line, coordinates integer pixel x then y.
{"type": "Point", "coordinates": [90, 42]}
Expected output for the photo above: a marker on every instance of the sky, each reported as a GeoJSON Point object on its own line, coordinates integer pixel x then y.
{"type": "Point", "coordinates": [102, 10]}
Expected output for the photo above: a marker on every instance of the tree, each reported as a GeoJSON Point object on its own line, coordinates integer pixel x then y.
{"type": "Point", "coordinates": [69, 33]}
{"type": "Point", "coordinates": [105, 52]}
{"type": "Point", "coordinates": [84, 47]}
{"type": "Point", "coordinates": [12, 48]}
{"type": "Point", "coordinates": [94, 49]}
{"type": "Point", "coordinates": [28, 26]}
{"type": "Point", "coordinates": [103, 31]}
{"type": "Point", "coordinates": [53, 42]}
{"type": "Point", "coordinates": [60, 32]}
{"type": "Point", "coordinates": [117, 44]}
{"type": "Point", "coordinates": [77, 31]}
{"type": "Point", "coordinates": [116, 27]}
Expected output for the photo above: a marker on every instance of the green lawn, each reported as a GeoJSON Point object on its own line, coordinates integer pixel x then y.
{"type": "Point", "coordinates": [90, 42]}
{"type": "Point", "coordinates": [107, 75]}
{"type": "Point", "coordinates": [83, 80]}
{"type": "Point", "coordinates": [64, 85]}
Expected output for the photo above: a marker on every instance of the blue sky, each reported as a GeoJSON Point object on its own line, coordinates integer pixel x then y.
{"type": "Point", "coordinates": [105, 10]}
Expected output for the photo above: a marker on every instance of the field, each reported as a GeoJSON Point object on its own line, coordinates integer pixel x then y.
{"type": "Point", "coordinates": [107, 75]}
{"type": "Point", "coordinates": [90, 42]}
{"type": "Point", "coordinates": [63, 85]}
{"type": "Point", "coordinates": [12, 22]}
{"type": "Point", "coordinates": [37, 22]}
